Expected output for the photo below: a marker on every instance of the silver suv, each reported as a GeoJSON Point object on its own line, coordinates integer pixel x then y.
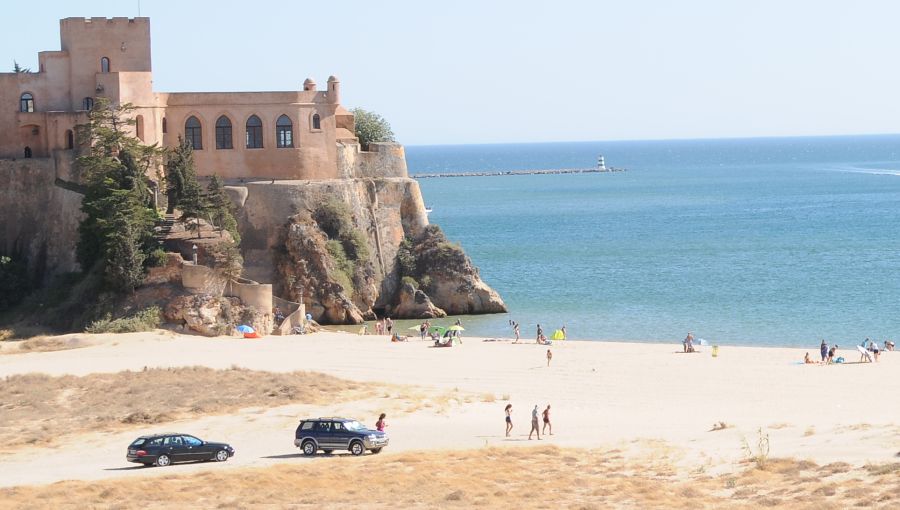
{"type": "Point", "coordinates": [329, 434]}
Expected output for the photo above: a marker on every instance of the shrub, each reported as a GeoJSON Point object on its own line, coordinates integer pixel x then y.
{"type": "Point", "coordinates": [410, 280]}
{"type": "Point", "coordinates": [147, 319]}
{"type": "Point", "coordinates": [158, 258]}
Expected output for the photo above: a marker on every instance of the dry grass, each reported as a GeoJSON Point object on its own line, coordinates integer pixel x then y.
{"type": "Point", "coordinates": [43, 344]}
{"type": "Point", "coordinates": [37, 407]}
{"type": "Point", "coordinates": [539, 477]}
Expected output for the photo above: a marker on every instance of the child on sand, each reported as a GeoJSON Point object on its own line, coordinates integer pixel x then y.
{"type": "Point", "coordinates": [509, 424]}
{"type": "Point", "coordinates": [549, 357]}
{"type": "Point", "coordinates": [380, 424]}
{"type": "Point", "coordinates": [807, 360]}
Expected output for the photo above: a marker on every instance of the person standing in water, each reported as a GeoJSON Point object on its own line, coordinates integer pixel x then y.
{"type": "Point", "coordinates": [535, 428]}
{"type": "Point", "coordinates": [509, 425]}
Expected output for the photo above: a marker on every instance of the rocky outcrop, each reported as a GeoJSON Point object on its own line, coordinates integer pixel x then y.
{"type": "Point", "coordinates": [310, 273]}
{"type": "Point", "coordinates": [413, 303]}
{"type": "Point", "coordinates": [447, 275]}
{"type": "Point", "coordinates": [213, 316]}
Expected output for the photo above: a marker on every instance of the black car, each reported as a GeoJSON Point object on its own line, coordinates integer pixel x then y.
{"type": "Point", "coordinates": [329, 434]}
{"type": "Point", "coordinates": [164, 449]}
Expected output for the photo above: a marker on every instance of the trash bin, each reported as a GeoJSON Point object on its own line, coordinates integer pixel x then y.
{"type": "Point", "coordinates": [715, 351]}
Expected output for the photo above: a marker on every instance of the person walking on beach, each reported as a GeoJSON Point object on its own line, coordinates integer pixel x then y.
{"type": "Point", "coordinates": [823, 350]}
{"type": "Point", "coordinates": [546, 416]}
{"type": "Point", "coordinates": [535, 428]}
{"type": "Point", "coordinates": [509, 424]}
{"type": "Point", "coordinates": [380, 424]}
{"type": "Point", "coordinates": [423, 329]}
{"type": "Point", "coordinates": [549, 357]}
{"type": "Point", "coordinates": [389, 324]}
{"type": "Point", "coordinates": [516, 331]}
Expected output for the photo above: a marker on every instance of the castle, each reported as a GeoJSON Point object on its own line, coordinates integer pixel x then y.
{"type": "Point", "coordinates": [282, 155]}
{"type": "Point", "coordinates": [278, 135]}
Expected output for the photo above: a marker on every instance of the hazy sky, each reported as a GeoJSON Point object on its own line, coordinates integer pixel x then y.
{"type": "Point", "coordinates": [523, 71]}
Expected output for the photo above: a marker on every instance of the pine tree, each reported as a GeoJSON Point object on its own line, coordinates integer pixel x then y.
{"type": "Point", "coordinates": [117, 229]}
{"type": "Point", "coordinates": [193, 205]}
{"type": "Point", "coordinates": [221, 208]}
{"type": "Point", "coordinates": [178, 162]}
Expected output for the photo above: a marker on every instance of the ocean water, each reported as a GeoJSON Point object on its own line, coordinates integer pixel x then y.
{"type": "Point", "coordinates": [781, 241]}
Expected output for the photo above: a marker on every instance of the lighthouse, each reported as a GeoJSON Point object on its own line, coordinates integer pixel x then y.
{"type": "Point", "coordinates": [601, 164]}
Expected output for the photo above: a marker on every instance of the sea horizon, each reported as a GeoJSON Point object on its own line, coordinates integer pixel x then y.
{"type": "Point", "coordinates": [775, 241]}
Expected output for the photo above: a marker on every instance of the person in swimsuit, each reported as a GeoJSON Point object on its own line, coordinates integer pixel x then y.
{"type": "Point", "coordinates": [823, 350]}
{"type": "Point", "coordinates": [509, 424]}
{"type": "Point", "coordinates": [546, 415]}
{"type": "Point", "coordinates": [516, 331]}
{"type": "Point", "coordinates": [534, 424]}
{"type": "Point", "coordinates": [549, 357]}
{"type": "Point", "coordinates": [540, 333]}
{"type": "Point", "coordinates": [380, 424]}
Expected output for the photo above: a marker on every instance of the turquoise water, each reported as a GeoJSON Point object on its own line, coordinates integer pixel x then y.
{"type": "Point", "coordinates": [757, 241]}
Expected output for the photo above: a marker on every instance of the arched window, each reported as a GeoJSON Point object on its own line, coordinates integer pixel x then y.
{"type": "Point", "coordinates": [284, 132]}
{"type": "Point", "coordinates": [88, 103]}
{"type": "Point", "coordinates": [193, 133]}
{"type": "Point", "coordinates": [70, 139]}
{"type": "Point", "coordinates": [26, 103]}
{"type": "Point", "coordinates": [165, 126]}
{"type": "Point", "coordinates": [254, 133]}
{"type": "Point", "coordinates": [104, 65]}
{"type": "Point", "coordinates": [139, 127]}
{"type": "Point", "coordinates": [27, 152]}
{"type": "Point", "coordinates": [316, 122]}
{"type": "Point", "coordinates": [223, 133]}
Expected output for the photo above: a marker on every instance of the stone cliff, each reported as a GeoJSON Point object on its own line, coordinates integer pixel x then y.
{"type": "Point", "coordinates": [344, 263]}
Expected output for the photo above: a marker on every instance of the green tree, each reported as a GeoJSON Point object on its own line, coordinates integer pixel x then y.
{"type": "Point", "coordinates": [221, 208]}
{"type": "Point", "coordinates": [19, 69]}
{"type": "Point", "coordinates": [371, 127]}
{"type": "Point", "coordinates": [179, 169]}
{"type": "Point", "coordinates": [117, 230]}
{"type": "Point", "coordinates": [14, 281]}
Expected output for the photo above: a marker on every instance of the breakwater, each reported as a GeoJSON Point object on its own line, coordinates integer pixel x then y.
{"type": "Point", "coordinates": [552, 171]}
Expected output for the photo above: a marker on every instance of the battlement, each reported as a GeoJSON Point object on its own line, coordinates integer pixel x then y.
{"type": "Point", "coordinates": [93, 22]}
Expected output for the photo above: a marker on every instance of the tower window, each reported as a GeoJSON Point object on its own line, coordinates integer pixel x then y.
{"type": "Point", "coordinates": [70, 139]}
{"type": "Point", "coordinates": [284, 132]}
{"type": "Point", "coordinates": [193, 133]}
{"type": "Point", "coordinates": [316, 121]}
{"type": "Point", "coordinates": [164, 126]}
{"type": "Point", "coordinates": [27, 152]}
{"type": "Point", "coordinates": [88, 103]}
{"type": "Point", "coordinates": [254, 133]}
{"type": "Point", "coordinates": [104, 65]}
{"type": "Point", "coordinates": [139, 127]}
{"type": "Point", "coordinates": [223, 133]}
{"type": "Point", "coordinates": [26, 103]}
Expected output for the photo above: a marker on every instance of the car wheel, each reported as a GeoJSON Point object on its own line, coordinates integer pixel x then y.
{"type": "Point", "coordinates": [327, 452]}
{"type": "Point", "coordinates": [221, 456]}
{"type": "Point", "coordinates": [309, 448]}
{"type": "Point", "coordinates": [163, 461]}
{"type": "Point", "coordinates": [376, 450]}
{"type": "Point", "coordinates": [356, 448]}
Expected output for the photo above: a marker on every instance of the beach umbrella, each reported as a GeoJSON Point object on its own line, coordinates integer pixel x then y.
{"type": "Point", "coordinates": [414, 328]}
{"type": "Point", "coordinates": [243, 328]}
{"type": "Point", "coordinates": [457, 328]}
{"type": "Point", "coordinates": [438, 329]}
{"type": "Point", "coordinates": [558, 335]}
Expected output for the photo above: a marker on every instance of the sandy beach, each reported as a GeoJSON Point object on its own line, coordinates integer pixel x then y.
{"type": "Point", "coordinates": [647, 400]}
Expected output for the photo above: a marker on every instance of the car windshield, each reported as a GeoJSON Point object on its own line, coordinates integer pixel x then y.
{"type": "Point", "coordinates": [353, 425]}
